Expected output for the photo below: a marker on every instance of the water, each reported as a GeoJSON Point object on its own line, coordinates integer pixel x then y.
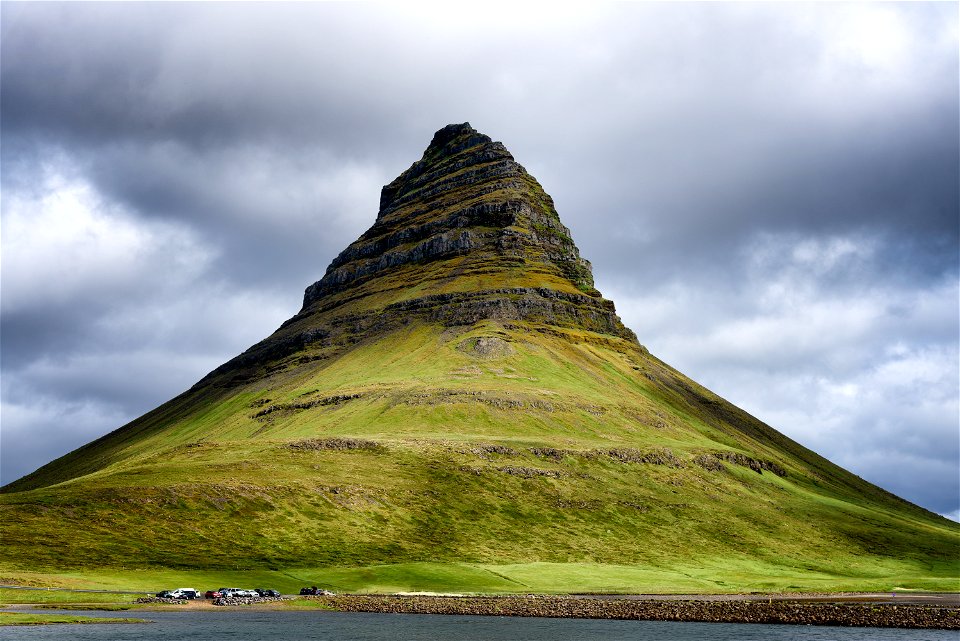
{"type": "Point", "coordinates": [336, 626]}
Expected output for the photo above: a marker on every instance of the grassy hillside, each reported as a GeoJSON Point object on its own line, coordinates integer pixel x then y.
{"type": "Point", "coordinates": [457, 408]}
{"type": "Point", "coordinates": [494, 459]}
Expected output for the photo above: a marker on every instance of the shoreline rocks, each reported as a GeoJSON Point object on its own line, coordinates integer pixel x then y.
{"type": "Point", "coordinates": [730, 611]}
{"type": "Point", "coordinates": [247, 600]}
{"type": "Point", "coordinates": [163, 600]}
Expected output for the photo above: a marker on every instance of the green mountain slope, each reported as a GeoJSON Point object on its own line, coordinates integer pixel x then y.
{"type": "Point", "coordinates": [454, 401]}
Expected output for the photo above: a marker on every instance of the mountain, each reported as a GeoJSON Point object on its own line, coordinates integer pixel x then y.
{"type": "Point", "coordinates": [456, 405]}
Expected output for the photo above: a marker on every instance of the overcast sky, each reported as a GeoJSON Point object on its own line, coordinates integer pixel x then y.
{"type": "Point", "coordinates": [769, 192]}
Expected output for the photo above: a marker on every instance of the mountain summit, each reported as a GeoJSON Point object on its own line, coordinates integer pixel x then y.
{"type": "Point", "coordinates": [457, 407]}
{"type": "Point", "coordinates": [464, 235]}
{"type": "Point", "coordinates": [467, 197]}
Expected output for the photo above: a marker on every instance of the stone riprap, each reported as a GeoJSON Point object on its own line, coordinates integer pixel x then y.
{"type": "Point", "coordinates": [247, 600]}
{"type": "Point", "coordinates": [146, 600]}
{"type": "Point", "coordinates": [721, 611]}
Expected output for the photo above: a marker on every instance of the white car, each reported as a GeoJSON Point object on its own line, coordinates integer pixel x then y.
{"type": "Point", "coordinates": [184, 593]}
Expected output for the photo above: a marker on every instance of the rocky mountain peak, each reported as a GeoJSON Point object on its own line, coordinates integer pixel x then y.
{"type": "Point", "coordinates": [466, 204]}
{"type": "Point", "coordinates": [450, 133]}
{"type": "Point", "coordinates": [465, 235]}
{"type": "Point", "coordinates": [466, 209]}
{"type": "Point", "coordinates": [452, 148]}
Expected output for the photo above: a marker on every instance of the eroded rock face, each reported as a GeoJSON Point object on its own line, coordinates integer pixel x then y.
{"type": "Point", "coordinates": [464, 235]}
{"type": "Point", "coordinates": [466, 196]}
{"type": "Point", "coordinates": [486, 347]}
{"type": "Point", "coordinates": [537, 305]}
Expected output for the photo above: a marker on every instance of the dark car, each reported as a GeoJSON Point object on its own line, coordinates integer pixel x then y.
{"type": "Point", "coordinates": [164, 594]}
{"type": "Point", "coordinates": [263, 592]}
{"type": "Point", "coordinates": [212, 594]}
{"type": "Point", "coordinates": [316, 591]}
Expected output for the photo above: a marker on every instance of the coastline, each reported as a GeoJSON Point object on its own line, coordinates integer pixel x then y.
{"type": "Point", "coordinates": [847, 613]}
{"type": "Point", "coordinates": [883, 610]}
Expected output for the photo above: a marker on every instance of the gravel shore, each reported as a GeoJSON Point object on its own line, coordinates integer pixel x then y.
{"type": "Point", "coordinates": [880, 615]}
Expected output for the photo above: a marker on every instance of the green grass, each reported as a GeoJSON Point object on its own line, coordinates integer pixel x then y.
{"type": "Point", "coordinates": [104, 607]}
{"type": "Point", "coordinates": [704, 576]}
{"type": "Point", "coordinates": [8, 595]}
{"type": "Point", "coordinates": [203, 494]}
{"type": "Point", "coordinates": [403, 504]}
{"type": "Point", "coordinates": [22, 618]}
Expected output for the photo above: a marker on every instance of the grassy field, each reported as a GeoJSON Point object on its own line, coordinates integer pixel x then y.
{"type": "Point", "coordinates": [574, 465]}
{"type": "Point", "coordinates": [539, 578]}
{"type": "Point", "coordinates": [11, 596]}
{"type": "Point", "coordinates": [22, 618]}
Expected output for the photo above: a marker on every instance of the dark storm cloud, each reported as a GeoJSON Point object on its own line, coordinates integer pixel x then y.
{"type": "Point", "coordinates": [768, 192]}
{"type": "Point", "coordinates": [206, 78]}
{"type": "Point", "coordinates": [703, 186]}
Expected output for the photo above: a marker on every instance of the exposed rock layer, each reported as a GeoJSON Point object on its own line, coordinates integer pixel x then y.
{"type": "Point", "coordinates": [462, 236]}
{"type": "Point", "coordinates": [467, 195]}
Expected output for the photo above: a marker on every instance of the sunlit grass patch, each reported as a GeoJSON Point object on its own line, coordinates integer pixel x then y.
{"type": "Point", "coordinates": [23, 618]}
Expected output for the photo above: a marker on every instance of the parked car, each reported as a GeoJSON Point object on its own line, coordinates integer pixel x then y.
{"type": "Point", "coordinates": [316, 590]}
{"type": "Point", "coordinates": [262, 592]}
{"type": "Point", "coordinates": [229, 592]}
{"type": "Point", "coordinates": [184, 593]}
{"type": "Point", "coordinates": [212, 594]}
{"type": "Point", "coordinates": [165, 594]}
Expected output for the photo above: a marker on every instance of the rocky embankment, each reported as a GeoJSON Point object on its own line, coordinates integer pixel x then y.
{"type": "Point", "coordinates": [730, 611]}
{"type": "Point", "coordinates": [155, 600]}
{"type": "Point", "coordinates": [248, 600]}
